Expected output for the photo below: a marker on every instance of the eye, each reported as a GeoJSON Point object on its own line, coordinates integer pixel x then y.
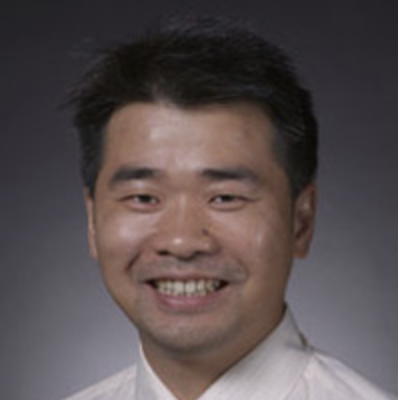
{"type": "Point", "coordinates": [227, 201]}
{"type": "Point", "coordinates": [142, 201]}
{"type": "Point", "coordinates": [225, 198]}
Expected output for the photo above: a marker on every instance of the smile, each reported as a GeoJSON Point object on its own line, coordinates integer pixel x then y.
{"type": "Point", "coordinates": [190, 288]}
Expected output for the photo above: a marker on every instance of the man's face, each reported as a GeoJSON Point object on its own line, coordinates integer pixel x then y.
{"type": "Point", "coordinates": [194, 226]}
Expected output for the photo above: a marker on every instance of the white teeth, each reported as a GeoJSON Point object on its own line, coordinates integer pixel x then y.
{"type": "Point", "coordinates": [187, 288]}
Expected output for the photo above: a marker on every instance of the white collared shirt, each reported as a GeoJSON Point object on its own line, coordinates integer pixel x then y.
{"type": "Point", "coordinates": [282, 367]}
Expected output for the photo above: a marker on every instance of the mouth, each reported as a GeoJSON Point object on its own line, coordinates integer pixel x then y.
{"type": "Point", "coordinates": [187, 288]}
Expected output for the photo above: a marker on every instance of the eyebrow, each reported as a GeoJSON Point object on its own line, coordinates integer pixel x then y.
{"type": "Point", "coordinates": [227, 174]}
{"type": "Point", "coordinates": [130, 173]}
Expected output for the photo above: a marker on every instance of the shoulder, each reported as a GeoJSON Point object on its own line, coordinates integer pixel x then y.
{"type": "Point", "coordinates": [327, 377]}
{"type": "Point", "coordinates": [117, 387]}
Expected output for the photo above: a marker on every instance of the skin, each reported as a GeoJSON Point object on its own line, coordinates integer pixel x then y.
{"type": "Point", "coordinates": [194, 194]}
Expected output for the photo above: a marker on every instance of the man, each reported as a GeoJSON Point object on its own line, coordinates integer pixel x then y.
{"type": "Point", "coordinates": [199, 158]}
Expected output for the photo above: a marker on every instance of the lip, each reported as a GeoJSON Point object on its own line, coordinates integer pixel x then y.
{"type": "Point", "coordinates": [187, 304]}
{"type": "Point", "coordinates": [182, 276]}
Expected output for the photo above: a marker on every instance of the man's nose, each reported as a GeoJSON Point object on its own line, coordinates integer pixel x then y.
{"type": "Point", "coordinates": [183, 231]}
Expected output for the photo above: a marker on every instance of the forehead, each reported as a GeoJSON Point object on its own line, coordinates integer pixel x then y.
{"type": "Point", "coordinates": [143, 132]}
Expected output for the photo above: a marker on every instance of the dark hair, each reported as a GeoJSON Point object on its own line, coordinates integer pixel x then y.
{"type": "Point", "coordinates": [195, 62]}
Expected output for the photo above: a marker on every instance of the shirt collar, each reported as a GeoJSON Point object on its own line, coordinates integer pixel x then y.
{"type": "Point", "coordinates": [269, 371]}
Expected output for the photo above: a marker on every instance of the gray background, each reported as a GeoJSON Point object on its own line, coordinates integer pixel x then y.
{"type": "Point", "coordinates": [59, 330]}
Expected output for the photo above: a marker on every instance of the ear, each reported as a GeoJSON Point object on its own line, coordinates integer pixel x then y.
{"type": "Point", "coordinates": [91, 230]}
{"type": "Point", "coordinates": [304, 220]}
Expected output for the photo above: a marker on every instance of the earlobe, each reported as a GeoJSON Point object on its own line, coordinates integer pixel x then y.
{"type": "Point", "coordinates": [89, 202]}
{"type": "Point", "coordinates": [304, 220]}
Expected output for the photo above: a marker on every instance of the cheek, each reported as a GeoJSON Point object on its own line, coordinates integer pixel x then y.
{"type": "Point", "coordinates": [118, 239]}
{"type": "Point", "coordinates": [272, 237]}
{"type": "Point", "coordinates": [262, 241]}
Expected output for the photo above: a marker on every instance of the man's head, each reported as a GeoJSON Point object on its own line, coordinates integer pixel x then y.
{"type": "Point", "coordinates": [194, 63]}
{"type": "Point", "coordinates": [194, 139]}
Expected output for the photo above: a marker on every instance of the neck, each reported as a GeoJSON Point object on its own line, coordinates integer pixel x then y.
{"type": "Point", "coordinates": [187, 379]}
{"type": "Point", "coordinates": [188, 374]}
